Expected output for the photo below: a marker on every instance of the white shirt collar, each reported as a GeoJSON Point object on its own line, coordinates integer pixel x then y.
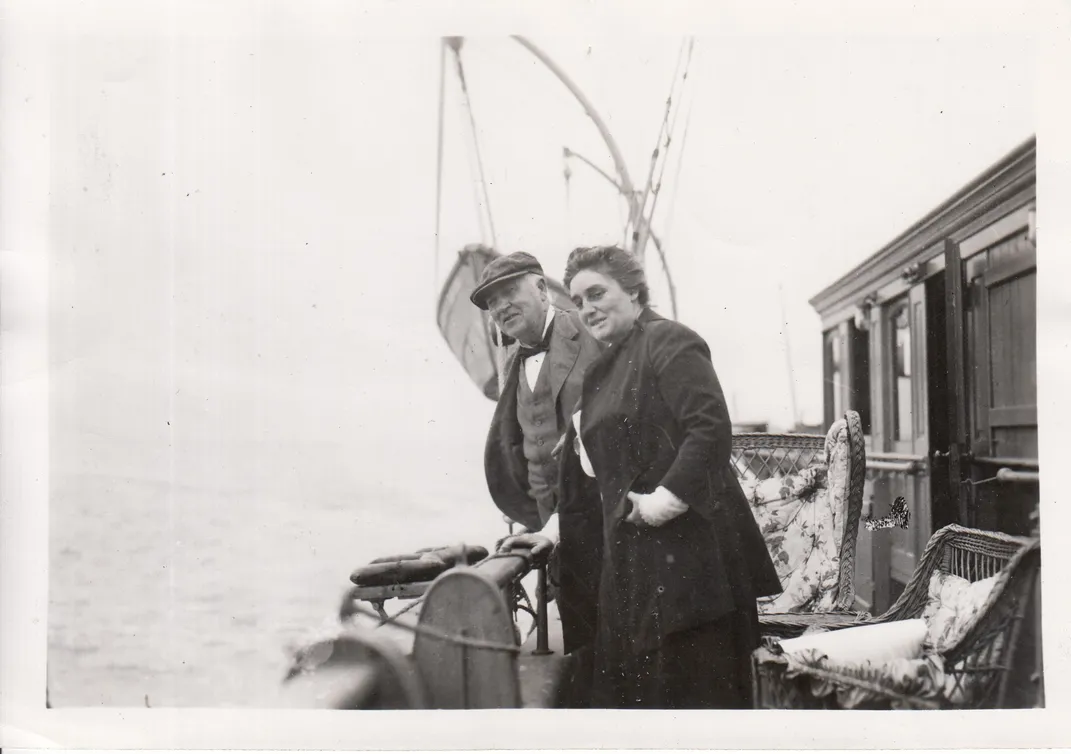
{"type": "Point", "coordinates": [550, 317]}
{"type": "Point", "coordinates": [534, 364]}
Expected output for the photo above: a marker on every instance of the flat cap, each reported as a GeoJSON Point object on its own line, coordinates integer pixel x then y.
{"type": "Point", "coordinates": [503, 268]}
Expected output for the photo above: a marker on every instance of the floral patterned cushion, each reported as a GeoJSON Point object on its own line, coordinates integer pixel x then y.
{"type": "Point", "coordinates": [952, 606]}
{"type": "Point", "coordinates": [801, 518]}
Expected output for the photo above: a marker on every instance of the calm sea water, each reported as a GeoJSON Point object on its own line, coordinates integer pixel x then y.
{"type": "Point", "coordinates": [189, 596]}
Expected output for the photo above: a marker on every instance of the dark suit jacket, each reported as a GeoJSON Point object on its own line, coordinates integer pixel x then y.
{"type": "Point", "coordinates": [571, 350]}
{"type": "Point", "coordinates": [654, 414]}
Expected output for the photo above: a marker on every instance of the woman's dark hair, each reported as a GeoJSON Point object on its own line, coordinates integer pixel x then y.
{"type": "Point", "coordinates": [613, 261]}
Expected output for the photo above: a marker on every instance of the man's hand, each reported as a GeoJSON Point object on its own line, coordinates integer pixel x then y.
{"type": "Point", "coordinates": [656, 509]}
{"type": "Point", "coordinates": [499, 543]}
{"type": "Point", "coordinates": [535, 543]}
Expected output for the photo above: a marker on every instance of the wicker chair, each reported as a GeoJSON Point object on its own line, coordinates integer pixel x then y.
{"type": "Point", "coordinates": [976, 666]}
{"type": "Point", "coordinates": [762, 456]}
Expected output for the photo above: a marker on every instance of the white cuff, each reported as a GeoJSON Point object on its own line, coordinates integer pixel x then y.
{"type": "Point", "coordinates": [550, 529]}
{"type": "Point", "coordinates": [663, 496]}
{"type": "Point", "coordinates": [585, 462]}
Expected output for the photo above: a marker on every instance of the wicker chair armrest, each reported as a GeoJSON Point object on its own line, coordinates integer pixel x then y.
{"type": "Point", "coordinates": [853, 509]}
{"type": "Point", "coordinates": [912, 600]}
{"type": "Point", "coordinates": [1001, 612]}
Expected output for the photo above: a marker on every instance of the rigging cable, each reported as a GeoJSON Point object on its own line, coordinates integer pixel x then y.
{"type": "Point", "coordinates": [662, 132]}
{"type": "Point", "coordinates": [471, 149]}
{"type": "Point", "coordinates": [677, 174]}
{"type": "Point", "coordinates": [684, 140]}
{"type": "Point", "coordinates": [439, 162]}
{"type": "Point", "coordinates": [788, 355]}
{"type": "Point", "coordinates": [665, 268]}
{"type": "Point", "coordinates": [568, 173]}
{"type": "Point", "coordinates": [475, 140]}
{"type": "Point", "coordinates": [669, 136]}
{"type": "Point", "coordinates": [477, 198]}
{"type": "Point", "coordinates": [659, 246]}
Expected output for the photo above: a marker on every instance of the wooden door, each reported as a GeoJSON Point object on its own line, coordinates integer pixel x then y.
{"type": "Point", "coordinates": [905, 433]}
{"type": "Point", "coordinates": [1001, 360]}
{"type": "Point", "coordinates": [1000, 471]}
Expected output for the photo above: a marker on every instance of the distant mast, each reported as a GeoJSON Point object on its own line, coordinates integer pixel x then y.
{"type": "Point", "coordinates": [788, 355]}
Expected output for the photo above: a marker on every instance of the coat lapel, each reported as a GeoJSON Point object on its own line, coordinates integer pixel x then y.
{"type": "Point", "coordinates": [506, 410]}
{"type": "Point", "coordinates": [565, 348]}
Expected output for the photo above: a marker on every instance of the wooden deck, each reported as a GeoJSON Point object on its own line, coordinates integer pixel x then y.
{"type": "Point", "coordinates": [539, 673]}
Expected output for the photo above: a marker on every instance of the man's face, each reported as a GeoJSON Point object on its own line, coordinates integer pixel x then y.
{"type": "Point", "coordinates": [519, 307]}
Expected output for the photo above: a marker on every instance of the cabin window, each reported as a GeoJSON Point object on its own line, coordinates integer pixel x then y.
{"type": "Point", "coordinates": [900, 321]}
{"type": "Point", "coordinates": [847, 373]}
{"type": "Point", "coordinates": [834, 363]}
{"type": "Point", "coordinates": [860, 375]}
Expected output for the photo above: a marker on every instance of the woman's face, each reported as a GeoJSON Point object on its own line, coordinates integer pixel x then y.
{"type": "Point", "coordinates": [607, 310]}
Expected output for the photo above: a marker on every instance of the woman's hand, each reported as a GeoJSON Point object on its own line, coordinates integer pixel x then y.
{"type": "Point", "coordinates": [559, 447]}
{"type": "Point", "coordinates": [535, 543]}
{"type": "Point", "coordinates": [656, 509]}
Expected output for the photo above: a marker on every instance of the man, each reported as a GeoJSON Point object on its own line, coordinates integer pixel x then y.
{"type": "Point", "coordinates": [544, 374]}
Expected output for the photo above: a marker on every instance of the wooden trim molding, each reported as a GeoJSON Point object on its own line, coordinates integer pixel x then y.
{"type": "Point", "coordinates": [994, 232]}
{"type": "Point", "coordinates": [1025, 261]}
{"type": "Point", "coordinates": [893, 287]}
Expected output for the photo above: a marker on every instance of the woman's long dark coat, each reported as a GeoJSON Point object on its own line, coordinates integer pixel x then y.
{"type": "Point", "coordinates": [654, 414]}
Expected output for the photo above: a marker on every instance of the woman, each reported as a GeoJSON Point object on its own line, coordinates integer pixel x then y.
{"type": "Point", "coordinates": [677, 555]}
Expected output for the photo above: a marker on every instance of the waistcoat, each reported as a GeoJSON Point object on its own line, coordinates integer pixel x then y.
{"type": "Point", "coordinates": [539, 427]}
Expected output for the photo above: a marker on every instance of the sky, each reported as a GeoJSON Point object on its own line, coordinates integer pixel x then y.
{"type": "Point", "coordinates": [243, 213]}
{"type": "Point", "coordinates": [244, 221]}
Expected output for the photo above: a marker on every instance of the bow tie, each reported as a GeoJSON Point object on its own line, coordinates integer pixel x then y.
{"type": "Point", "coordinates": [542, 347]}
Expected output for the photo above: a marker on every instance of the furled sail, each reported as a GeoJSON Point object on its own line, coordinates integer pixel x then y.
{"type": "Point", "coordinates": [470, 332]}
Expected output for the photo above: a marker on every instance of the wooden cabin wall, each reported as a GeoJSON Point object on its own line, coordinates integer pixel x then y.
{"type": "Point", "coordinates": [1000, 354]}
{"type": "Point", "coordinates": [976, 355]}
{"type": "Point", "coordinates": [1001, 334]}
